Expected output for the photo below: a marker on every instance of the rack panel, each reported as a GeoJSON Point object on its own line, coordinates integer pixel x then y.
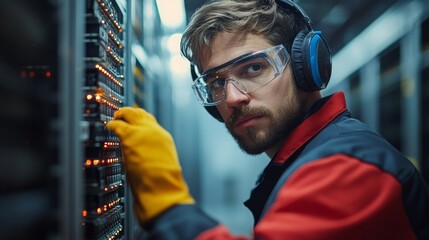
{"type": "Point", "coordinates": [390, 96]}
{"type": "Point", "coordinates": [103, 93]}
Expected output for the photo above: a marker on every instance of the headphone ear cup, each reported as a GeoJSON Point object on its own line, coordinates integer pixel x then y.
{"type": "Point", "coordinates": [311, 61]}
{"type": "Point", "coordinates": [297, 60]}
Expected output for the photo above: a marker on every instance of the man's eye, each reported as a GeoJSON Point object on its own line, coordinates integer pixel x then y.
{"type": "Point", "coordinates": [254, 68]}
{"type": "Point", "coordinates": [218, 83]}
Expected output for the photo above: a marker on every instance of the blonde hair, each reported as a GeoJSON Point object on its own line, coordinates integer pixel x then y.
{"type": "Point", "coordinates": [259, 17]}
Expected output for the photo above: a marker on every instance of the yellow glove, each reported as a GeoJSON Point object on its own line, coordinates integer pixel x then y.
{"type": "Point", "coordinates": [151, 163]}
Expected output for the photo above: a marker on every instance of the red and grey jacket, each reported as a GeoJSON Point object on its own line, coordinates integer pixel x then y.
{"type": "Point", "coordinates": [333, 178]}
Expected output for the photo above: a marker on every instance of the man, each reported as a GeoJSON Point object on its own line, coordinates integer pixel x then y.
{"type": "Point", "coordinates": [262, 68]}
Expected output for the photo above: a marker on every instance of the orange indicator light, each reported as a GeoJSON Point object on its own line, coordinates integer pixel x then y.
{"type": "Point", "coordinates": [88, 162]}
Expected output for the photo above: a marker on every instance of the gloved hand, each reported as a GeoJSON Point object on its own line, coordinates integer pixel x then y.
{"type": "Point", "coordinates": [151, 163]}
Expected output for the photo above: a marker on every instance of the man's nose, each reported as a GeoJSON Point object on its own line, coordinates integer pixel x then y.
{"type": "Point", "coordinates": [236, 94]}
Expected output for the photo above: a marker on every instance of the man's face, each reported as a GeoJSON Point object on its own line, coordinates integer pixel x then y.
{"type": "Point", "coordinates": [260, 120]}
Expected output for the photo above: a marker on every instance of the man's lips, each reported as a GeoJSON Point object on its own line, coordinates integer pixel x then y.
{"type": "Point", "coordinates": [244, 121]}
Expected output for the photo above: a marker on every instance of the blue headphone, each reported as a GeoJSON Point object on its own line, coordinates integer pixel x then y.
{"type": "Point", "coordinates": [310, 54]}
{"type": "Point", "coordinates": [311, 58]}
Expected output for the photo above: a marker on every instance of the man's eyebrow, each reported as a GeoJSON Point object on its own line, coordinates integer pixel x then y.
{"type": "Point", "coordinates": [212, 70]}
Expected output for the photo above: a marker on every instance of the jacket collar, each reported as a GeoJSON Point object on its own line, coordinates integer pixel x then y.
{"type": "Point", "coordinates": [334, 106]}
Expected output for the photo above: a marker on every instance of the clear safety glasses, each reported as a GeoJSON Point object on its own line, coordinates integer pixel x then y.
{"type": "Point", "coordinates": [248, 73]}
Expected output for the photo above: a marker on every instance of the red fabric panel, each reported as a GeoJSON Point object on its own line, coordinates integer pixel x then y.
{"type": "Point", "coordinates": [219, 233]}
{"type": "Point", "coordinates": [337, 197]}
{"type": "Point", "coordinates": [311, 126]}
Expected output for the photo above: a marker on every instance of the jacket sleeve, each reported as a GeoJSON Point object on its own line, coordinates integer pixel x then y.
{"type": "Point", "coordinates": [337, 197]}
{"type": "Point", "coordinates": [186, 222]}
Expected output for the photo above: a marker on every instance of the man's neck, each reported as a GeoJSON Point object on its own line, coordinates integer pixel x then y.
{"type": "Point", "coordinates": [310, 99]}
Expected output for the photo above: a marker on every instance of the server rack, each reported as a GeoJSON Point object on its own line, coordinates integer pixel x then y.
{"type": "Point", "coordinates": [64, 71]}
{"type": "Point", "coordinates": [104, 93]}
{"type": "Point", "coordinates": [355, 90]}
{"type": "Point", "coordinates": [390, 96]}
{"type": "Point", "coordinates": [424, 136]}
{"type": "Point", "coordinates": [30, 120]}
{"type": "Point", "coordinates": [138, 36]}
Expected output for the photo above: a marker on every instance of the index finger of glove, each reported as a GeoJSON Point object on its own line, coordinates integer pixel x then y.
{"type": "Point", "coordinates": [117, 126]}
{"type": "Point", "coordinates": [133, 116]}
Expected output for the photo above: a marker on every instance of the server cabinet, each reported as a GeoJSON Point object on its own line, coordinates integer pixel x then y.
{"type": "Point", "coordinates": [39, 190]}
{"type": "Point", "coordinates": [64, 71]}
{"type": "Point", "coordinates": [29, 112]}
{"type": "Point", "coordinates": [103, 91]}
{"type": "Point", "coordinates": [424, 136]}
{"type": "Point", "coordinates": [425, 126]}
{"type": "Point", "coordinates": [390, 96]}
{"type": "Point", "coordinates": [355, 94]}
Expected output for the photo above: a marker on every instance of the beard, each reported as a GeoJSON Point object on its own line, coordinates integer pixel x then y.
{"type": "Point", "coordinates": [256, 140]}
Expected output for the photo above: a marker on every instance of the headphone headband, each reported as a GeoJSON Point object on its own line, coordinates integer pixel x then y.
{"type": "Point", "coordinates": [293, 6]}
